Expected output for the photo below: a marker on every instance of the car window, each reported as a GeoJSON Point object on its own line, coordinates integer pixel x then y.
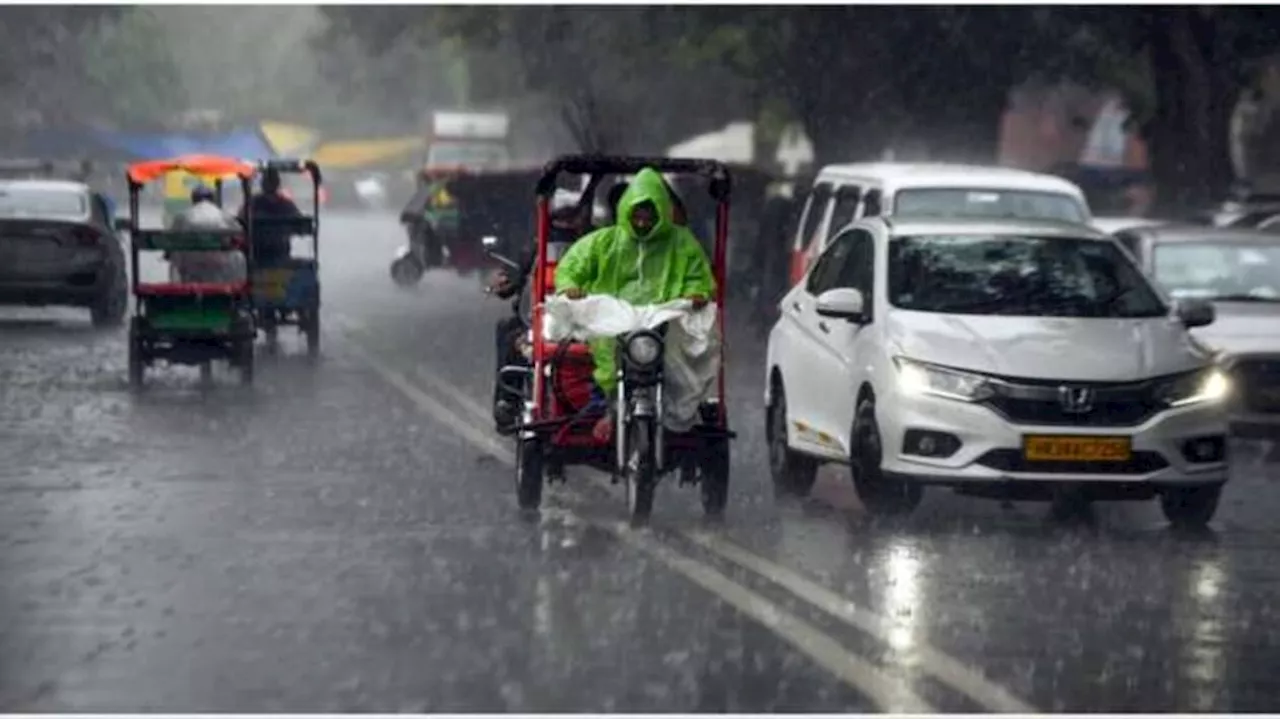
{"type": "Point", "coordinates": [858, 269]}
{"type": "Point", "coordinates": [1218, 270]}
{"type": "Point", "coordinates": [814, 211]}
{"type": "Point", "coordinates": [43, 203]}
{"type": "Point", "coordinates": [827, 269]}
{"type": "Point", "coordinates": [846, 208]}
{"type": "Point", "coordinates": [974, 202]}
{"type": "Point", "coordinates": [872, 204]}
{"type": "Point", "coordinates": [1131, 242]}
{"type": "Point", "coordinates": [1026, 276]}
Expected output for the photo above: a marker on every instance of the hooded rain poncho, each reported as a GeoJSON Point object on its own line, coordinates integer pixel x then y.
{"type": "Point", "coordinates": [668, 264]}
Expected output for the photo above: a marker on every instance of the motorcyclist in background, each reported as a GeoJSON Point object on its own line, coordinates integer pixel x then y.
{"type": "Point", "coordinates": [205, 214]}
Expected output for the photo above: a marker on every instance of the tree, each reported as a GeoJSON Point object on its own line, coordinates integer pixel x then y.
{"type": "Point", "coordinates": [132, 72]}
{"type": "Point", "coordinates": [41, 63]}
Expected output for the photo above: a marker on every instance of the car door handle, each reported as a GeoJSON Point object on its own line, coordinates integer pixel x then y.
{"type": "Point", "coordinates": [823, 326]}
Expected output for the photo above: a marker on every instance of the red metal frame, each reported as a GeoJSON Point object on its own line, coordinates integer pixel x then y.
{"type": "Point", "coordinates": [186, 289]}
{"type": "Point", "coordinates": [545, 404]}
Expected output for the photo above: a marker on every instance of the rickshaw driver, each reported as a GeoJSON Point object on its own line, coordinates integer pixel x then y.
{"type": "Point", "coordinates": [270, 245]}
{"type": "Point", "coordinates": [646, 258]}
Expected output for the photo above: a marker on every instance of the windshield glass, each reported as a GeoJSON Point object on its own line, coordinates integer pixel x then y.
{"type": "Point", "coordinates": [1218, 270]}
{"type": "Point", "coordinates": [1017, 275]}
{"type": "Point", "coordinates": [961, 202]}
{"type": "Point", "coordinates": [40, 203]}
{"type": "Point", "coordinates": [472, 154]}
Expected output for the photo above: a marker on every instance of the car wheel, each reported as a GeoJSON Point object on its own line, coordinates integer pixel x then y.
{"type": "Point", "coordinates": [108, 310]}
{"type": "Point", "coordinates": [1190, 507]}
{"type": "Point", "coordinates": [793, 473]}
{"type": "Point", "coordinates": [881, 495]}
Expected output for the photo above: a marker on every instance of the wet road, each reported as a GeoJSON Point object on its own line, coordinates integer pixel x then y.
{"type": "Point", "coordinates": [343, 537]}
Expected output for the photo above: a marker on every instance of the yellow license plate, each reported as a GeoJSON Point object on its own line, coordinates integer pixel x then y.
{"type": "Point", "coordinates": [1077, 449]}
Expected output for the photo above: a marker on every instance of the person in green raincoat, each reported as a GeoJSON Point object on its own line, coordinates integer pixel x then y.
{"type": "Point", "coordinates": [645, 258]}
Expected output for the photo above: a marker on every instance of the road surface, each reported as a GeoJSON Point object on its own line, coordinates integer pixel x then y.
{"type": "Point", "coordinates": [344, 537]}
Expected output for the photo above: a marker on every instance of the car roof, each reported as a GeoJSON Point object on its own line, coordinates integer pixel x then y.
{"type": "Point", "coordinates": [941, 174]}
{"type": "Point", "coordinates": [901, 227]}
{"type": "Point", "coordinates": [1201, 233]}
{"type": "Point", "coordinates": [52, 185]}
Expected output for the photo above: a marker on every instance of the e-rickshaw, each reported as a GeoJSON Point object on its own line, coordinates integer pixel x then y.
{"type": "Point", "coordinates": [190, 323]}
{"type": "Point", "coordinates": [288, 292]}
{"type": "Point", "coordinates": [555, 427]}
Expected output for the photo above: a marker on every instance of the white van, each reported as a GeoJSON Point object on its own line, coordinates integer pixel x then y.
{"type": "Point", "coordinates": [844, 193]}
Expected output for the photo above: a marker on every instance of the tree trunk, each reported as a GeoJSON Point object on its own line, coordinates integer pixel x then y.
{"type": "Point", "coordinates": [1189, 135]}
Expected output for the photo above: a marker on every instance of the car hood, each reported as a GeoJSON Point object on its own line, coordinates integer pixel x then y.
{"type": "Point", "coordinates": [1243, 328]}
{"type": "Point", "coordinates": [1083, 350]}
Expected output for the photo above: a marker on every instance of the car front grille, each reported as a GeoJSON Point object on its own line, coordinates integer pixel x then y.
{"type": "Point", "coordinates": [1111, 405]}
{"type": "Point", "coordinates": [1011, 460]}
{"type": "Point", "coordinates": [1258, 384]}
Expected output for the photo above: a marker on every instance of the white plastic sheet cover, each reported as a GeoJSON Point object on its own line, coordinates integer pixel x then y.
{"type": "Point", "coordinates": [692, 360]}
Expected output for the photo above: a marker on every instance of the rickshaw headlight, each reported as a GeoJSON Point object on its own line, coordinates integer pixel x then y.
{"type": "Point", "coordinates": [643, 349]}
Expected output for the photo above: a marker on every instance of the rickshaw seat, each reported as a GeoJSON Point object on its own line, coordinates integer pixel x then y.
{"type": "Point", "coordinates": [186, 289]}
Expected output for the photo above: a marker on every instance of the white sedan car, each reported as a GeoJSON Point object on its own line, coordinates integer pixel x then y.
{"type": "Point", "coordinates": [1008, 359]}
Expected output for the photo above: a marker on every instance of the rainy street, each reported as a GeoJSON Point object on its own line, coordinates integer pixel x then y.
{"type": "Point", "coordinates": [344, 537]}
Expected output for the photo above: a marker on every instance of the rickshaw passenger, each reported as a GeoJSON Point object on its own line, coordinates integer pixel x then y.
{"type": "Point", "coordinates": [271, 245]}
{"type": "Point", "coordinates": [646, 258]}
{"type": "Point", "coordinates": [205, 214]}
{"type": "Point", "coordinates": [567, 225]}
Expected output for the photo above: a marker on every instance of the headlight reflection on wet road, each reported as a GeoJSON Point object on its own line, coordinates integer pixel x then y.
{"type": "Point", "coordinates": [902, 600]}
{"type": "Point", "coordinates": [1203, 667]}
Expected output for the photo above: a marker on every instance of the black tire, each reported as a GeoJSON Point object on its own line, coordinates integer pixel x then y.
{"type": "Point", "coordinates": [311, 329]}
{"type": "Point", "coordinates": [406, 271]}
{"type": "Point", "coordinates": [714, 483]}
{"type": "Point", "coordinates": [1190, 507]}
{"type": "Point", "coordinates": [109, 309]}
{"type": "Point", "coordinates": [793, 473]}
{"type": "Point", "coordinates": [880, 495]}
{"type": "Point", "coordinates": [640, 473]}
{"type": "Point", "coordinates": [137, 363]}
{"type": "Point", "coordinates": [529, 474]}
{"type": "Point", "coordinates": [244, 356]}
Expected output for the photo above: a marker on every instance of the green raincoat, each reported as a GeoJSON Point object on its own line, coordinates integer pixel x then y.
{"type": "Point", "coordinates": [667, 265]}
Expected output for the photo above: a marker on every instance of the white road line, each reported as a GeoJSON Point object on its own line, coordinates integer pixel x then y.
{"type": "Point", "coordinates": [890, 694]}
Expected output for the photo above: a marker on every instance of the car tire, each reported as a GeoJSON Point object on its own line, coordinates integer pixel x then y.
{"type": "Point", "coordinates": [793, 473]}
{"type": "Point", "coordinates": [108, 309]}
{"type": "Point", "coordinates": [1190, 507]}
{"type": "Point", "coordinates": [881, 495]}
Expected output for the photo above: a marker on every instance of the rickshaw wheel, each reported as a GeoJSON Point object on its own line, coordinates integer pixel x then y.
{"type": "Point", "coordinates": [311, 329]}
{"type": "Point", "coordinates": [715, 479]}
{"type": "Point", "coordinates": [407, 271]}
{"type": "Point", "coordinates": [529, 479]}
{"type": "Point", "coordinates": [244, 353]}
{"type": "Point", "coordinates": [641, 474]}
{"type": "Point", "coordinates": [137, 367]}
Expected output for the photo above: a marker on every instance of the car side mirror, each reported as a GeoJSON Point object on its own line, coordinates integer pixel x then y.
{"type": "Point", "coordinates": [843, 303]}
{"type": "Point", "coordinates": [1195, 313]}
{"type": "Point", "coordinates": [490, 244]}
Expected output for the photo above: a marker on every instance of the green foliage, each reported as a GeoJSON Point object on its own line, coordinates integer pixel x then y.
{"type": "Point", "coordinates": [132, 70]}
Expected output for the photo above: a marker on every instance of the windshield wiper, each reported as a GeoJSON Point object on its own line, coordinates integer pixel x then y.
{"type": "Point", "coordinates": [1245, 298]}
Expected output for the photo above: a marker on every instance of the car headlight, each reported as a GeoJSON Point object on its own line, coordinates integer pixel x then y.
{"type": "Point", "coordinates": [917, 378]}
{"type": "Point", "coordinates": [643, 349]}
{"type": "Point", "coordinates": [1211, 385]}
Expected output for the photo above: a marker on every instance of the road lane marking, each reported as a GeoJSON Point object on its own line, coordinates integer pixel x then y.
{"type": "Point", "coordinates": [941, 666]}
{"type": "Point", "coordinates": [890, 694]}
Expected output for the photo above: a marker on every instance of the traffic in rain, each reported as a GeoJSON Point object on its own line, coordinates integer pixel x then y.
{"type": "Point", "coordinates": [564, 359]}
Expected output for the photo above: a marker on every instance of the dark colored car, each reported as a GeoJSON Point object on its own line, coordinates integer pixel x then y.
{"type": "Point", "coordinates": [58, 246]}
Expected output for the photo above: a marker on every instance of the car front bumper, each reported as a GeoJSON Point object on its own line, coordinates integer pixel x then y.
{"type": "Point", "coordinates": [991, 447]}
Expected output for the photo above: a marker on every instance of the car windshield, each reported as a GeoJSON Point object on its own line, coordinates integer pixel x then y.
{"type": "Point", "coordinates": [472, 154]}
{"type": "Point", "coordinates": [962, 202]}
{"type": "Point", "coordinates": [1018, 276]}
{"type": "Point", "coordinates": [1219, 270]}
{"type": "Point", "coordinates": [42, 203]}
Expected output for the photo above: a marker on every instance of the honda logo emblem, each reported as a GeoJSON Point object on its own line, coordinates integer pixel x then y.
{"type": "Point", "coordinates": [1075, 400]}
